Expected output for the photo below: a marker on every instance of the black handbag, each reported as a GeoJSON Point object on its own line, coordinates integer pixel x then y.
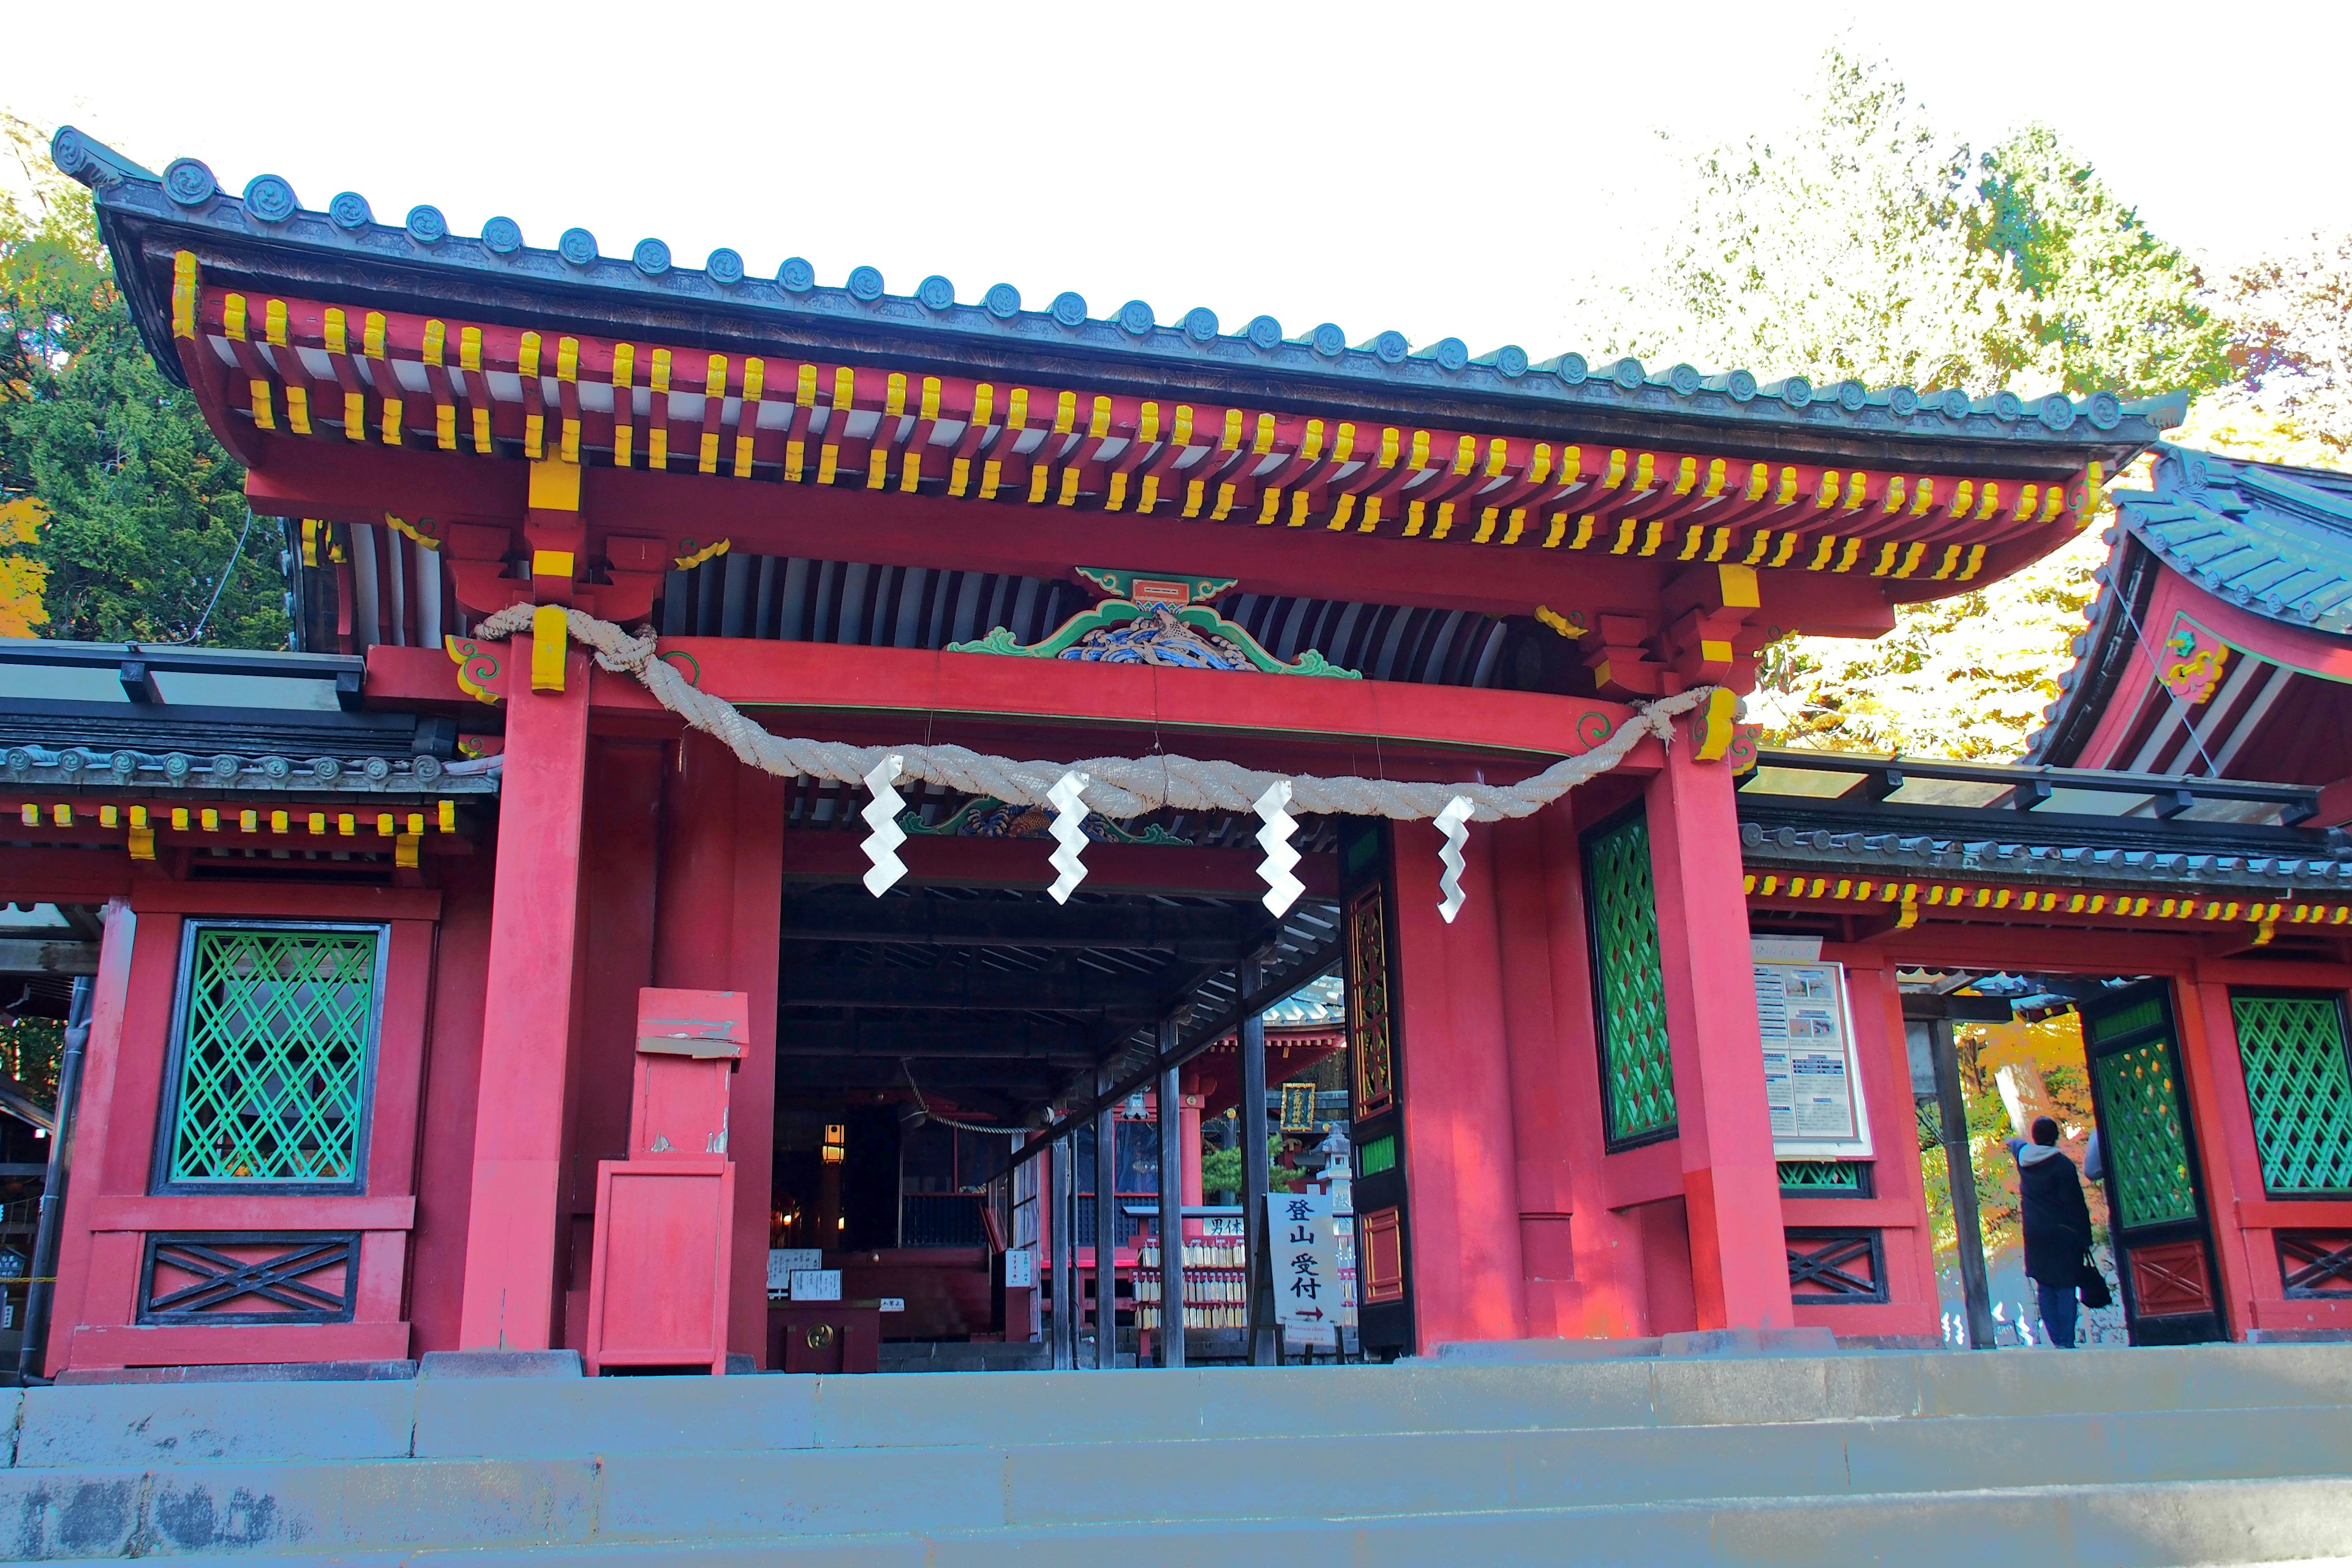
{"type": "Point", "coordinates": [2096, 1292]}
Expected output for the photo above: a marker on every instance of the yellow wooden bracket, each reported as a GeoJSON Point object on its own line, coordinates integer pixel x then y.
{"type": "Point", "coordinates": [1563, 624]}
{"type": "Point", "coordinates": [1711, 724]}
{"type": "Point", "coordinates": [478, 665]}
{"type": "Point", "coordinates": [554, 486]}
{"type": "Point", "coordinates": [547, 646]}
{"type": "Point", "coordinates": [183, 300]}
{"type": "Point", "coordinates": [422, 539]}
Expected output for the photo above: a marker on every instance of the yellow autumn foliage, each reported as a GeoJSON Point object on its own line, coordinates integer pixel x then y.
{"type": "Point", "coordinates": [21, 578]}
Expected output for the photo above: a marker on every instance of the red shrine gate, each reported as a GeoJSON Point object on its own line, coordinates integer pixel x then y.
{"type": "Point", "coordinates": [891, 521]}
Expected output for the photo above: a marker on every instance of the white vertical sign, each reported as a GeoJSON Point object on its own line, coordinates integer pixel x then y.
{"type": "Point", "coordinates": [1308, 1292]}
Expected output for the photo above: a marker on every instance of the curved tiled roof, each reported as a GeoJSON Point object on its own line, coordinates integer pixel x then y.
{"type": "Point", "coordinates": [1320, 1001]}
{"type": "Point", "coordinates": [2275, 540]}
{"type": "Point", "coordinates": [187, 194]}
{"type": "Point", "coordinates": [1957, 851]}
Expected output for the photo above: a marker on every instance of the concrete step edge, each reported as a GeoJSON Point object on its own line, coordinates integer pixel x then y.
{"type": "Point", "coordinates": [2163, 1525]}
{"type": "Point", "coordinates": [2219, 1420]}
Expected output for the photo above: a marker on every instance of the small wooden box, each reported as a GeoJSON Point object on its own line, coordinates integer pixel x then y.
{"type": "Point", "coordinates": [657, 1292]}
{"type": "Point", "coordinates": [824, 1336]}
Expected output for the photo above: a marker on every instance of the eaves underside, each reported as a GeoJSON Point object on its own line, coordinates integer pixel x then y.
{"type": "Point", "coordinates": [1416, 390]}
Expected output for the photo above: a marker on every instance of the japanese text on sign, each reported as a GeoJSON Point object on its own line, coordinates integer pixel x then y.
{"type": "Point", "coordinates": [1308, 1293]}
{"type": "Point", "coordinates": [1809, 1085]}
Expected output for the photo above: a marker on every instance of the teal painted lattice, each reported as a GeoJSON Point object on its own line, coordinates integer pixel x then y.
{"type": "Point", "coordinates": [1820, 1176]}
{"type": "Point", "coordinates": [2145, 1141]}
{"type": "Point", "coordinates": [2145, 1014]}
{"type": "Point", "coordinates": [2297, 1078]}
{"type": "Point", "coordinates": [1624, 904]}
{"type": "Point", "coordinates": [274, 1070]}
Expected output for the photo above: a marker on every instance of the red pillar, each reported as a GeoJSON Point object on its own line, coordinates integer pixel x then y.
{"type": "Point", "coordinates": [1610, 1301]}
{"type": "Point", "coordinates": [1460, 1179]}
{"type": "Point", "coordinates": [1189, 1131]}
{"type": "Point", "coordinates": [453, 1085]}
{"type": "Point", "coordinates": [1544, 1089]}
{"type": "Point", "coordinates": [719, 927]}
{"type": "Point", "coordinates": [112, 999]}
{"type": "Point", "coordinates": [1731, 1187]}
{"type": "Point", "coordinates": [527, 1023]}
{"type": "Point", "coordinates": [618, 865]}
{"type": "Point", "coordinates": [2214, 1096]}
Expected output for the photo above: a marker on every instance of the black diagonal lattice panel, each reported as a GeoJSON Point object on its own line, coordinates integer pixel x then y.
{"type": "Point", "coordinates": [1836, 1266]}
{"type": "Point", "coordinates": [248, 1276]}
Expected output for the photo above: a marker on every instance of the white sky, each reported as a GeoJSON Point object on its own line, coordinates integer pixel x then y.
{"type": "Point", "coordinates": [1456, 168]}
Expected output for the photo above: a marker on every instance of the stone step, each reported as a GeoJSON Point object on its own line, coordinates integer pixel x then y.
{"type": "Point", "coordinates": [699, 1495]}
{"type": "Point", "coordinates": [2150, 1526]}
{"type": "Point", "coordinates": [120, 1425]}
{"type": "Point", "coordinates": [987, 1466]}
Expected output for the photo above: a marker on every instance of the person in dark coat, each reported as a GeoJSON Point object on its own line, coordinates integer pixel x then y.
{"type": "Point", "coordinates": [2057, 1223]}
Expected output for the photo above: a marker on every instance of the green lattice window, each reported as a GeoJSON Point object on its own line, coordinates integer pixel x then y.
{"type": "Point", "coordinates": [2299, 1084]}
{"type": "Point", "coordinates": [2145, 1142]}
{"type": "Point", "coordinates": [2146, 1014]}
{"type": "Point", "coordinates": [1823, 1178]}
{"type": "Point", "coordinates": [270, 1083]}
{"type": "Point", "coordinates": [1637, 1067]}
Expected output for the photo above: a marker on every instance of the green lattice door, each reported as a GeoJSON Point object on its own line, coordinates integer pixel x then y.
{"type": "Point", "coordinates": [2156, 1200]}
{"type": "Point", "coordinates": [1637, 1066]}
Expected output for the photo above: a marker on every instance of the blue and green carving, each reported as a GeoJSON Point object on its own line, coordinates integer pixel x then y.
{"type": "Point", "coordinates": [273, 1066]}
{"type": "Point", "coordinates": [1188, 636]}
{"type": "Point", "coordinates": [1637, 1062]}
{"type": "Point", "coordinates": [2298, 1082]}
{"type": "Point", "coordinates": [1121, 585]}
{"type": "Point", "coordinates": [987, 817]}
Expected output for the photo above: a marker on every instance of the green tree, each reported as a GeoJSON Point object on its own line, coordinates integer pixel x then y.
{"type": "Point", "coordinates": [139, 511]}
{"type": "Point", "coordinates": [2122, 310]}
{"type": "Point", "coordinates": [1873, 245]}
{"type": "Point", "coordinates": [2291, 401]}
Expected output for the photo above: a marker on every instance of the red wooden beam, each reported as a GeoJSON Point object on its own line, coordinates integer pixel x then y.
{"type": "Point", "coordinates": [825, 678]}
{"type": "Point", "coordinates": [822, 856]}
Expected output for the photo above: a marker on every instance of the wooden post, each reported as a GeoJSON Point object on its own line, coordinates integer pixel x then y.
{"type": "Point", "coordinates": [1171, 1207]}
{"type": "Point", "coordinates": [1063, 1160]}
{"type": "Point", "coordinates": [1250, 1118]}
{"type": "Point", "coordinates": [1107, 1217]}
{"type": "Point", "coordinates": [1731, 1184]}
{"type": "Point", "coordinates": [1952, 1108]}
{"type": "Point", "coordinates": [527, 1022]}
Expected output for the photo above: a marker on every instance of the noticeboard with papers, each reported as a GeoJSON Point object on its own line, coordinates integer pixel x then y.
{"type": "Point", "coordinates": [1811, 1082]}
